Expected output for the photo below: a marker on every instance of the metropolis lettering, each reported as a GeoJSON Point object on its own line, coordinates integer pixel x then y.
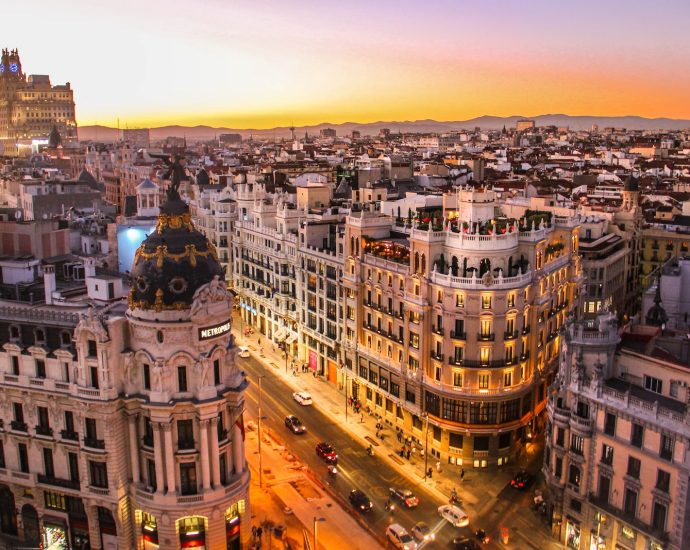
{"type": "Point", "coordinates": [217, 330]}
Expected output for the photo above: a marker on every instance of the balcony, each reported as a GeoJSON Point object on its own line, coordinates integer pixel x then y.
{"type": "Point", "coordinates": [147, 440]}
{"type": "Point", "coordinates": [94, 443]}
{"type": "Point", "coordinates": [185, 444]}
{"type": "Point", "coordinates": [486, 337]}
{"type": "Point", "coordinates": [458, 335]}
{"type": "Point", "coordinates": [628, 517]}
{"type": "Point", "coordinates": [18, 426]}
{"type": "Point", "coordinates": [69, 435]}
{"type": "Point", "coordinates": [44, 430]}
{"type": "Point", "coordinates": [437, 356]}
{"type": "Point", "coordinates": [510, 335]}
{"type": "Point", "coordinates": [438, 330]}
{"type": "Point", "coordinates": [59, 482]}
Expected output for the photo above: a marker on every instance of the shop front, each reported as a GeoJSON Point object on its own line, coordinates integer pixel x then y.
{"type": "Point", "coordinates": [192, 531]}
{"type": "Point", "coordinates": [232, 528]}
{"type": "Point", "coordinates": [572, 535]}
{"type": "Point", "coordinates": [149, 531]}
{"type": "Point", "coordinates": [54, 534]}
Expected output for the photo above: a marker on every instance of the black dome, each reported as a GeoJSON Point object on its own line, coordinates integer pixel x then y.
{"type": "Point", "coordinates": [172, 262]}
{"type": "Point", "coordinates": [631, 184]}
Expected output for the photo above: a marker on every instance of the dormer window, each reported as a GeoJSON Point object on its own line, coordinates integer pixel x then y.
{"type": "Point", "coordinates": [14, 333]}
{"type": "Point", "coordinates": [40, 336]}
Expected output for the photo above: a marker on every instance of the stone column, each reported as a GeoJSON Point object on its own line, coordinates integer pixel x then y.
{"type": "Point", "coordinates": [94, 526]}
{"type": "Point", "coordinates": [203, 455]}
{"type": "Point", "coordinates": [134, 448]}
{"type": "Point", "coordinates": [237, 449]}
{"type": "Point", "coordinates": [158, 456]}
{"type": "Point", "coordinates": [169, 458]}
{"type": "Point", "coordinates": [215, 458]}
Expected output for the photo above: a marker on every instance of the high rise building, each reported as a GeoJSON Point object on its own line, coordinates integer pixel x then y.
{"type": "Point", "coordinates": [31, 108]}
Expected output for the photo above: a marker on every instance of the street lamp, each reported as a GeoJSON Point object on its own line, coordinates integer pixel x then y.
{"type": "Point", "coordinates": [261, 468]}
{"type": "Point", "coordinates": [316, 520]}
{"type": "Point", "coordinates": [426, 446]}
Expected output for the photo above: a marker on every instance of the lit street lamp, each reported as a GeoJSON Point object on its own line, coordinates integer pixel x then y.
{"type": "Point", "coordinates": [426, 446]}
{"type": "Point", "coordinates": [261, 469]}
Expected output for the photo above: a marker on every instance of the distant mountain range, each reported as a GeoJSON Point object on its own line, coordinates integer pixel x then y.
{"type": "Point", "coordinates": [199, 133]}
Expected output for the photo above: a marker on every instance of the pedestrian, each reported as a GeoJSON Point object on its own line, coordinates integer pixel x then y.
{"type": "Point", "coordinates": [399, 437]}
{"type": "Point", "coordinates": [413, 450]}
{"type": "Point", "coordinates": [259, 532]}
{"type": "Point", "coordinates": [438, 466]}
{"type": "Point", "coordinates": [408, 454]}
{"type": "Point", "coordinates": [254, 531]}
{"type": "Point", "coordinates": [462, 473]}
{"type": "Point", "coordinates": [258, 341]}
{"type": "Point", "coordinates": [429, 473]}
{"type": "Point", "coordinates": [361, 418]}
{"type": "Point", "coordinates": [314, 373]}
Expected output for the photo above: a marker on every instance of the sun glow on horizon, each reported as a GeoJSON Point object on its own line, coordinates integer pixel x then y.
{"type": "Point", "coordinates": [259, 65]}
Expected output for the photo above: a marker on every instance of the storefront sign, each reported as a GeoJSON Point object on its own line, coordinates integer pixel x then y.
{"type": "Point", "coordinates": [206, 333]}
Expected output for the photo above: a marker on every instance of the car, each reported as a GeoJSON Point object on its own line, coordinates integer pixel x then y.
{"type": "Point", "coordinates": [454, 515]}
{"type": "Point", "coordinates": [244, 353]}
{"type": "Point", "coordinates": [400, 538]}
{"type": "Point", "coordinates": [422, 532]}
{"type": "Point", "coordinates": [294, 424]}
{"type": "Point", "coordinates": [405, 496]}
{"type": "Point", "coordinates": [360, 501]}
{"type": "Point", "coordinates": [302, 397]}
{"type": "Point", "coordinates": [521, 480]}
{"type": "Point", "coordinates": [327, 453]}
{"type": "Point", "coordinates": [465, 543]}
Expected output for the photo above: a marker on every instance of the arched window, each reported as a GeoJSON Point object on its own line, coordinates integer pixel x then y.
{"type": "Point", "coordinates": [40, 335]}
{"type": "Point", "coordinates": [423, 263]}
{"type": "Point", "coordinates": [65, 339]}
{"type": "Point", "coordinates": [416, 262]}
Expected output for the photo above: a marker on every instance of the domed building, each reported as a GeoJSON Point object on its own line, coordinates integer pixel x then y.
{"type": "Point", "coordinates": [121, 419]}
{"type": "Point", "coordinates": [190, 477]}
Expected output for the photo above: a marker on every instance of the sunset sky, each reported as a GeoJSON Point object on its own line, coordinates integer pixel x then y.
{"type": "Point", "coordinates": [260, 63]}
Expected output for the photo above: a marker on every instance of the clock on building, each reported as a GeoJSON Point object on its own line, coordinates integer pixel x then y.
{"type": "Point", "coordinates": [14, 67]}
{"type": "Point", "coordinates": [2, 68]}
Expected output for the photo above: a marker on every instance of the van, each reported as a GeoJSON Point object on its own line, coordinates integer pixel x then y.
{"type": "Point", "coordinates": [400, 538]}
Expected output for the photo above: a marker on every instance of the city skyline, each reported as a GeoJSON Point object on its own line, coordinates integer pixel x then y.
{"type": "Point", "coordinates": [257, 65]}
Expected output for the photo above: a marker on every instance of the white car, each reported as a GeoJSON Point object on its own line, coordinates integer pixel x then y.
{"type": "Point", "coordinates": [400, 538]}
{"type": "Point", "coordinates": [302, 397]}
{"type": "Point", "coordinates": [244, 353]}
{"type": "Point", "coordinates": [454, 515]}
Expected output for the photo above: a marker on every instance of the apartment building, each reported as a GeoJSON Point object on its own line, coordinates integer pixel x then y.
{"type": "Point", "coordinates": [452, 322]}
{"type": "Point", "coordinates": [320, 292]}
{"type": "Point", "coordinates": [265, 268]}
{"type": "Point", "coordinates": [617, 439]}
{"type": "Point", "coordinates": [121, 421]}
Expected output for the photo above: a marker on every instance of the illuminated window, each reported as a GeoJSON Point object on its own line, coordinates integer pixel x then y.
{"type": "Point", "coordinates": [483, 379]}
{"type": "Point", "coordinates": [486, 301]}
{"type": "Point", "coordinates": [511, 299]}
{"type": "Point", "coordinates": [460, 300]}
{"type": "Point", "coordinates": [485, 355]}
{"type": "Point", "coordinates": [508, 379]}
{"type": "Point", "coordinates": [457, 379]}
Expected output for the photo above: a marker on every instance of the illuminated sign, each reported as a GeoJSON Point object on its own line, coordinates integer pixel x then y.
{"type": "Point", "coordinates": [214, 331]}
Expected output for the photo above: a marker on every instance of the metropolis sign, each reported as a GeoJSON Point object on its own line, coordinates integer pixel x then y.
{"type": "Point", "coordinates": [205, 333]}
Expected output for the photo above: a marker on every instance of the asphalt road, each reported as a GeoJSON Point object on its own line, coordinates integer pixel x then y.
{"type": "Point", "coordinates": [356, 469]}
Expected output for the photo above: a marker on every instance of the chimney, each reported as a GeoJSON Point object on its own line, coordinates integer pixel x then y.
{"type": "Point", "coordinates": [89, 268]}
{"type": "Point", "coordinates": [49, 282]}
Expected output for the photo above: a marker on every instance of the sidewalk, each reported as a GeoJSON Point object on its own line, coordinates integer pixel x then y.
{"type": "Point", "coordinates": [479, 490]}
{"type": "Point", "coordinates": [290, 500]}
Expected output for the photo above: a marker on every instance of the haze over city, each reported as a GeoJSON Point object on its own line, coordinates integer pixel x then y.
{"type": "Point", "coordinates": [260, 64]}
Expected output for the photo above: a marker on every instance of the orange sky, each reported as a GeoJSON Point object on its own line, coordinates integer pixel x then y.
{"type": "Point", "coordinates": [262, 64]}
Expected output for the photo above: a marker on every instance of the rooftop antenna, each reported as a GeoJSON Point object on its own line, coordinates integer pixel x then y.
{"type": "Point", "coordinates": [292, 130]}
